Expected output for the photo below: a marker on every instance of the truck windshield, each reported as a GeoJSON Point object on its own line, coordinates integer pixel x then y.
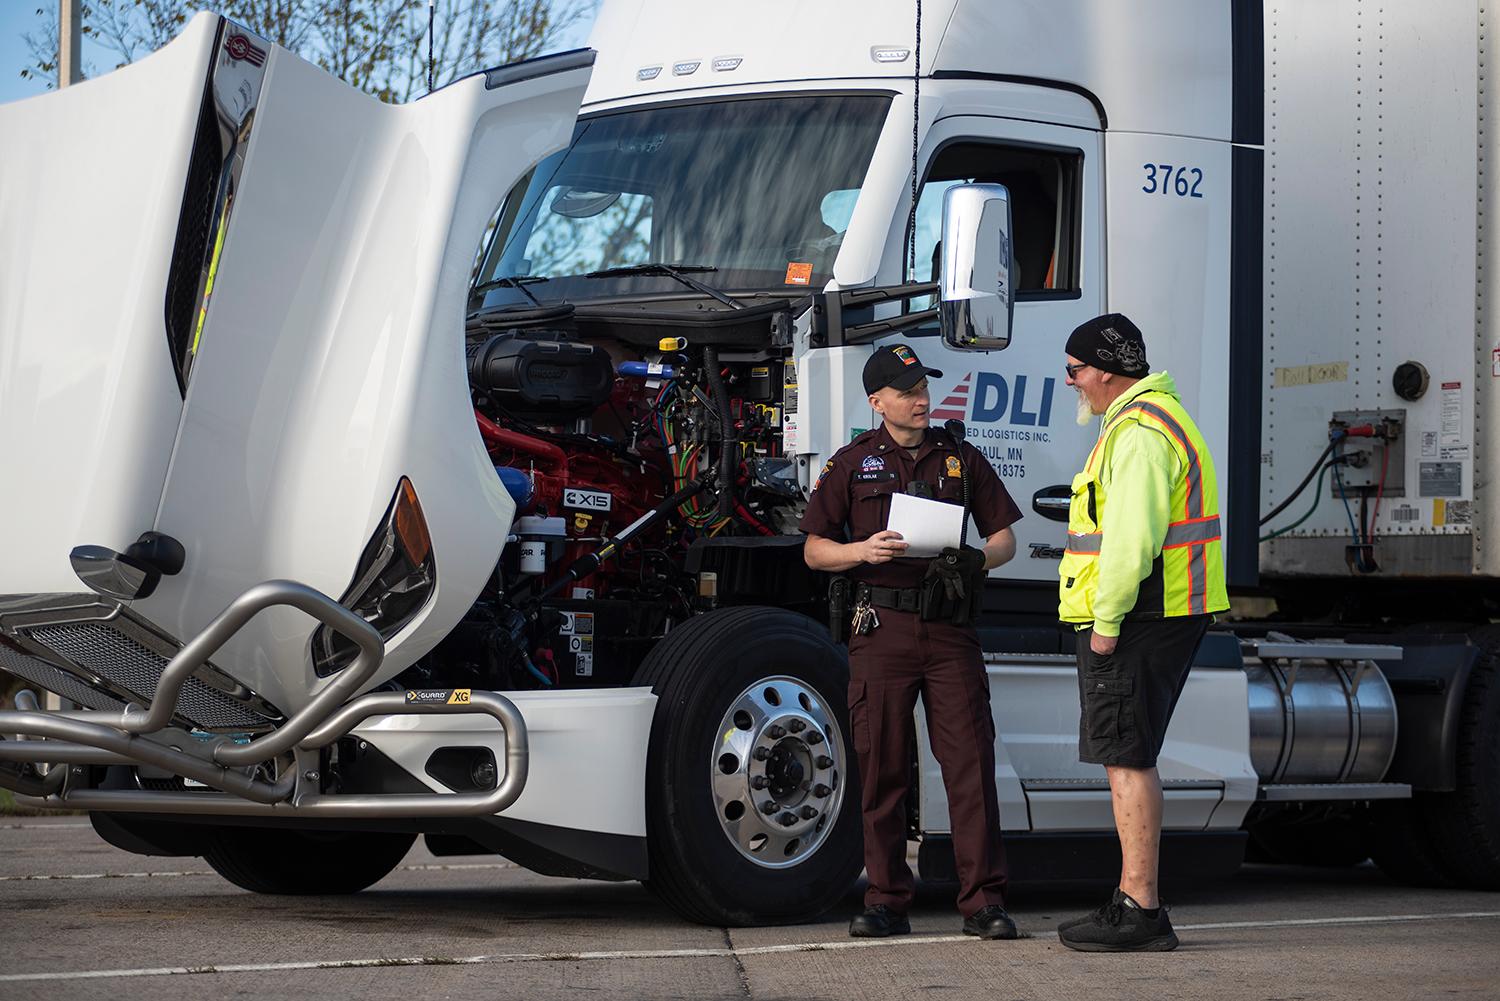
{"type": "Point", "coordinates": [760, 189]}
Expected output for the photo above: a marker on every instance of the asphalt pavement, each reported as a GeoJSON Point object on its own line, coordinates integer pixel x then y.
{"type": "Point", "coordinates": [80, 919]}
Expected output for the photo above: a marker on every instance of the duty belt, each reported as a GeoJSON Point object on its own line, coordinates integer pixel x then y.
{"type": "Point", "coordinates": [902, 599]}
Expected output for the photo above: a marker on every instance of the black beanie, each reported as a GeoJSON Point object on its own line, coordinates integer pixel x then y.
{"type": "Point", "coordinates": [1110, 343]}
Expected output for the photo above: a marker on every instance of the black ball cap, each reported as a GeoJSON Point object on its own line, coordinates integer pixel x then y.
{"type": "Point", "coordinates": [897, 366]}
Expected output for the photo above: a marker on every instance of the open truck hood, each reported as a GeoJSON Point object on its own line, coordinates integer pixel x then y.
{"type": "Point", "coordinates": [231, 311]}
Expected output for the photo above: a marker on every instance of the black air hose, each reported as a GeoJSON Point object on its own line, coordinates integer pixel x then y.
{"type": "Point", "coordinates": [729, 458]}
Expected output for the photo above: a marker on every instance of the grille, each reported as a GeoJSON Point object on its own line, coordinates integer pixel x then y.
{"type": "Point", "coordinates": [100, 648]}
{"type": "Point", "coordinates": [60, 682]}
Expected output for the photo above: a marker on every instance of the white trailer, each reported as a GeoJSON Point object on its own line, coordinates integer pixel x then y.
{"type": "Point", "coordinates": [435, 469]}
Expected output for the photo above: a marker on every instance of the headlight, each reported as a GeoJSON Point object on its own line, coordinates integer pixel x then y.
{"type": "Point", "coordinates": [394, 579]}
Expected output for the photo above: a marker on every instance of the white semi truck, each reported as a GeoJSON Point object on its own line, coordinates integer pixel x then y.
{"type": "Point", "coordinates": [435, 469]}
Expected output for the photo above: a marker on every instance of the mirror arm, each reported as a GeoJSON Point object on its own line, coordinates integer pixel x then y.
{"type": "Point", "coordinates": [829, 331]}
{"type": "Point", "coordinates": [863, 333]}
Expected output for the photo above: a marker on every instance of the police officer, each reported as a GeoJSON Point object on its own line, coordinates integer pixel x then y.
{"type": "Point", "coordinates": [911, 633]}
{"type": "Point", "coordinates": [1142, 575]}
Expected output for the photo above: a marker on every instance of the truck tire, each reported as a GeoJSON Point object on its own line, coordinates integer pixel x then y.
{"type": "Point", "coordinates": [1464, 825]}
{"type": "Point", "coordinates": [282, 861]}
{"type": "Point", "coordinates": [752, 805]}
{"type": "Point", "coordinates": [1400, 846]}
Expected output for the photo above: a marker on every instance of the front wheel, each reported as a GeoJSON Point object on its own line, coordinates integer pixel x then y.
{"type": "Point", "coordinates": [752, 805]}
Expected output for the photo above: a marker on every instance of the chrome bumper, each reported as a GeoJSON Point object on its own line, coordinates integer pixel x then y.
{"type": "Point", "coordinates": [276, 772]}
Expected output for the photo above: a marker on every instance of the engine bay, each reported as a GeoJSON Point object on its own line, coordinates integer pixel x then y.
{"type": "Point", "coordinates": [643, 446]}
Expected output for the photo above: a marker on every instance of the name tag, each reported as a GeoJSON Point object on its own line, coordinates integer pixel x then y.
{"type": "Point", "coordinates": [875, 476]}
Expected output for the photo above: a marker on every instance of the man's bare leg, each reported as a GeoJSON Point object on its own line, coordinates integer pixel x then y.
{"type": "Point", "coordinates": [1137, 799]}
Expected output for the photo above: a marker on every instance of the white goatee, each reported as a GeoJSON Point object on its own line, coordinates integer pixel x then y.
{"type": "Point", "coordinates": [1085, 412]}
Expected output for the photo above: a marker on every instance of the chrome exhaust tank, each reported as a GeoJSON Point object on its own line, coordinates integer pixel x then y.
{"type": "Point", "coordinates": [1319, 712]}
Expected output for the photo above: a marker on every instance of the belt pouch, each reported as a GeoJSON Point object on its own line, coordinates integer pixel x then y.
{"type": "Point", "coordinates": [838, 609]}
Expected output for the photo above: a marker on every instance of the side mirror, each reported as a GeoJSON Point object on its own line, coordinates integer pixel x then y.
{"type": "Point", "coordinates": [978, 268]}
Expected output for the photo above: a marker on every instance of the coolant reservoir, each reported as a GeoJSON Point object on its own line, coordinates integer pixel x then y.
{"type": "Point", "coordinates": [1319, 712]}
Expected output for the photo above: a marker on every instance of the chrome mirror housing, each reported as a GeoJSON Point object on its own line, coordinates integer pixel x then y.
{"type": "Point", "coordinates": [978, 268]}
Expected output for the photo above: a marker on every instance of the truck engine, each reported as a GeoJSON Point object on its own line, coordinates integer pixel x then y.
{"type": "Point", "coordinates": [596, 419]}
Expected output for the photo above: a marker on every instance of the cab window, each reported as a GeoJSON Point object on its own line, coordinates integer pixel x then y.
{"type": "Point", "coordinates": [1044, 188]}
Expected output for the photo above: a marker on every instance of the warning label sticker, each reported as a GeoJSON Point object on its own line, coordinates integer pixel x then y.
{"type": "Point", "coordinates": [1440, 479]}
{"type": "Point", "coordinates": [1453, 412]}
{"type": "Point", "coordinates": [798, 273]}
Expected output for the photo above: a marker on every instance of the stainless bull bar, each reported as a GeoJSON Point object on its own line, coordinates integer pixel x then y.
{"type": "Point", "coordinates": [140, 736]}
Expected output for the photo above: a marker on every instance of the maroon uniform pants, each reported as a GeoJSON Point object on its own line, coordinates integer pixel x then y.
{"type": "Point", "coordinates": [889, 667]}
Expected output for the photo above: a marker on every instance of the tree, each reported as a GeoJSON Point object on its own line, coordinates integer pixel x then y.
{"type": "Point", "coordinates": [379, 46]}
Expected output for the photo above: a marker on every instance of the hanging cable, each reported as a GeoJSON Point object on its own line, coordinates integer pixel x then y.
{"type": "Point", "coordinates": [431, 29]}
{"type": "Point", "coordinates": [1333, 443]}
{"type": "Point", "coordinates": [1385, 460]}
{"type": "Point", "coordinates": [916, 120]}
{"type": "Point", "coordinates": [1317, 499]}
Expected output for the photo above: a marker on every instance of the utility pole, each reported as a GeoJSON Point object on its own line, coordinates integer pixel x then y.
{"type": "Point", "coordinates": [69, 42]}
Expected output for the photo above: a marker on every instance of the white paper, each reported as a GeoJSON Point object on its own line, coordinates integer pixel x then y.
{"type": "Point", "coordinates": [926, 526]}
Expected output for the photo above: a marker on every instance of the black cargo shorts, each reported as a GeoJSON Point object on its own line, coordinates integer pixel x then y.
{"type": "Point", "coordinates": [1127, 697]}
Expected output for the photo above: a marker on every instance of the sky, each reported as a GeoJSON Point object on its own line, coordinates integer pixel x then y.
{"type": "Point", "coordinates": [18, 17]}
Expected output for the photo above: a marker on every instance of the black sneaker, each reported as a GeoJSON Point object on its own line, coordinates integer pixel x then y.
{"type": "Point", "coordinates": [1120, 926]}
{"type": "Point", "coordinates": [1118, 897]}
{"type": "Point", "coordinates": [991, 921]}
{"type": "Point", "coordinates": [879, 921]}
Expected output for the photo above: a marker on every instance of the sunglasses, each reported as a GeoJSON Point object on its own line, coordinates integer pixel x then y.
{"type": "Point", "coordinates": [1073, 370]}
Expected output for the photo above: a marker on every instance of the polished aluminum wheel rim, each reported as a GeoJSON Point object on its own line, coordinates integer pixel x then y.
{"type": "Point", "coordinates": [777, 772]}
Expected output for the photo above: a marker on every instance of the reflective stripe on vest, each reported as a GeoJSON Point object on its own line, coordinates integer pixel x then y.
{"type": "Point", "coordinates": [1193, 511]}
{"type": "Point", "coordinates": [1195, 526]}
{"type": "Point", "coordinates": [1179, 533]}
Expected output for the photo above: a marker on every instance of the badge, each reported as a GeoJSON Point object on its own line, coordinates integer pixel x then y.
{"type": "Point", "coordinates": [819, 481]}
{"type": "Point", "coordinates": [954, 469]}
{"type": "Point", "coordinates": [872, 462]}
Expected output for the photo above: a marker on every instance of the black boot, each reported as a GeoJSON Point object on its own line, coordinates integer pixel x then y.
{"type": "Point", "coordinates": [1120, 926]}
{"type": "Point", "coordinates": [991, 921]}
{"type": "Point", "coordinates": [879, 921]}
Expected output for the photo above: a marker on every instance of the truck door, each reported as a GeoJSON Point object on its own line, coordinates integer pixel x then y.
{"type": "Point", "coordinates": [1015, 404]}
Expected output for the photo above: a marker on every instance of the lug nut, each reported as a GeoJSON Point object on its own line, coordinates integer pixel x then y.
{"type": "Point", "coordinates": [821, 791]}
{"type": "Point", "coordinates": [759, 782]}
{"type": "Point", "coordinates": [762, 753]}
{"type": "Point", "coordinates": [824, 761]}
{"type": "Point", "coordinates": [775, 732]}
{"type": "Point", "coordinates": [787, 819]}
{"type": "Point", "coordinates": [769, 807]}
{"type": "Point", "coordinates": [796, 726]}
{"type": "Point", "coordinates": [815, 737]}
{"type": "Point", "coordinates": [808, 812]}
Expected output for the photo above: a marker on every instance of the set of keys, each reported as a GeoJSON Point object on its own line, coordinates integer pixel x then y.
{"type": "Point", "coordinates": [866, 620]}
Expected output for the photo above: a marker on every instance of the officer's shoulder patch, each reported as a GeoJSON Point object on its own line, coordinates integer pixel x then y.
{"type": "Point", "coordinates": [819, 481]}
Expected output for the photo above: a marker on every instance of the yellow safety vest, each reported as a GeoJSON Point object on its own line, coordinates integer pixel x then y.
{"type": "Point", "coordinates": [1187, 577]}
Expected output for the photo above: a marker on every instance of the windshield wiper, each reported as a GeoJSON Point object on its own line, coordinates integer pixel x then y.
{"type": "Point", "coordinates": [675, 271]}
{"type": "Point", "coordinates": [517, 282]}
